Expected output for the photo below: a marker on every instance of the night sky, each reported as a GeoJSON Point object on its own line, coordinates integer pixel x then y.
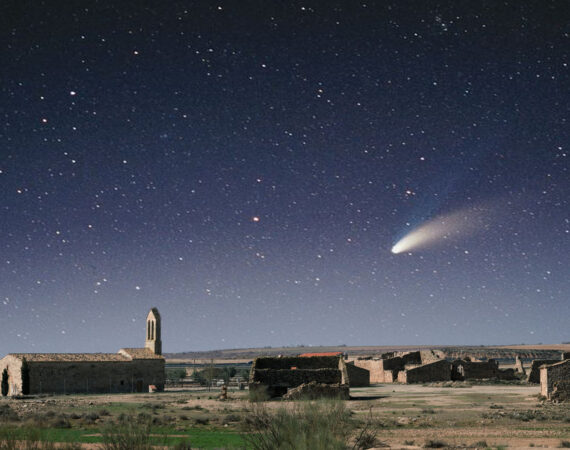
{"type": "Point", "coordinates": [247, 167]}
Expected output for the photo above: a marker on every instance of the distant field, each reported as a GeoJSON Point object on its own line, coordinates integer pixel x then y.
{"type": "Point", "coordinates": [232, 356]}
{"type": "Point", "coordinates": [561, 347]}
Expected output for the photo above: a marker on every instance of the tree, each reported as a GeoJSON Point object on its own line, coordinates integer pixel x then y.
{"type": "Point", "coordinates": [210, 372]}
{"type": "Point", "coordinates": [5, 384]}
{"type": "Point", "coordinates": [175, 374]}
{"type": "Point", "coordinates": [25, 377]}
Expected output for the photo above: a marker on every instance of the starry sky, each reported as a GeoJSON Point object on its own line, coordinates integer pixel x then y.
{"type": "Point", "coordinates": [247, 167]}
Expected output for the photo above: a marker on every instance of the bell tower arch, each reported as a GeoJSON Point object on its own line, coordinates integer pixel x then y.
{"type": "Point", "coordinates": [153, 329]}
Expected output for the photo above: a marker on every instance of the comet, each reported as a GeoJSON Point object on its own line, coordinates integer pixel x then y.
{"type": "Point", "coordinates": [440, 229]}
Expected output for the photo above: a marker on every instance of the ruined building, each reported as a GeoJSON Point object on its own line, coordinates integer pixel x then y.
{"type": "Point", "coordinates": [534, 372]}
{"type": "Point", "coordinates": [275, 377]}
{"type": "Point", "coordinates": [128, 370]}
{"type": "Point", "coordinates": [478, 370]}
{"type": "Point", "coordinates": [429, 366]}
{"type": "Point", "coordinates": [555, 381]}
{"type": "Point", "coordinates": [408, 367]}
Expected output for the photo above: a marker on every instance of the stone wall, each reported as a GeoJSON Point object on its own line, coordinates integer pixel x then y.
{"type": "Point", "coordinates": [465, 370]}
{"type": "Point", "coordinates": [314, 390]}
{"type": "Point", "coordinates": [519, 368]}
{"type": "Point", "coordinates": [555, 381]}
{"type": "Point", "coordinates": [390, 376]}
{"type": "Point", "coordinates": [274, 376]}
{"type": "Point", "coordinates": [375, 369]}
{"type": "Point", "coordinates": [425, 373]}
{"type": "Point", "coordinates": [85, 376]}
{"type": "Point", "coordinates": [534, 372]}
{"type": "Point", "coordinates": [14, 367]}
{"type": "Point", "coordinates": [295, 377]}
{"type": "Point", "coordinates": [300, 362]}
{"type": "Point", "coordinates": [386, 369]}
{"type": "Point", "coordinates": [357, 376]}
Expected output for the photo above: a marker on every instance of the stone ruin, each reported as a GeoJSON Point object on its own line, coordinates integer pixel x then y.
{"type": "Point", "coordinates": [519, 368]}
{"type": "Point", "coordinates": [555, 381]}
{"type": "Point", "coordinates": [422, 373]}
{"type": "Point", "coordinates": [272, 377]}
{"type": "Point", "coordinates": [534, 372]}
{"type": "Point", "coordinates": [407, 367]}
{"type": "Point", "coordinates": [429, 366]}
{"type": "Point", "coordinates": [465, 369]}
{"type": "Point", "coordinates": [314, 390]}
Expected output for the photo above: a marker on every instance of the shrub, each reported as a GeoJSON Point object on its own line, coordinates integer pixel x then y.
{"type": "Point", "coordinates": [7, 414]}
{"type": "Point", "coordinates": [128, 435]}
{"type": "Point", "coordinates": [231, 418]}
{"type": "Point", "coordinates": [565, 444]}
{"type": "Point", "coordinates": [322, 425]}
{"type": "Point", "coordinates": [183, 445]}
{"type": "Point", "coordinates": [202, 420]}
{"type": "Point", "coordinates": [61, 422]}
{"type": "Point", "coordinates": [435, 444]}
{"type": "Point", "coordinates": [91, 417]}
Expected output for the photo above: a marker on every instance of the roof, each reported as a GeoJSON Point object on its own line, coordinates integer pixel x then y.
{"type": "Point", "coordinates": [309, 355]}
{"type": "Point", "coordinates": [560, 363]}
{"type": "Point", "coordinates": [125, 354]}
{"type": "Point", "coordinates": [70, 357]}
{"type": "Point", "coordinates": [140, 353]}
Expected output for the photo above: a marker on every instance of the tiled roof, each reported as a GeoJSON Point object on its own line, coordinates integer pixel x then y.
{"type": "Point", "coordinates": [140, 353]}
{"type": "Point", "coordinates": [71, 357]}
{"type": "Point", "coordinates": [125, 354]}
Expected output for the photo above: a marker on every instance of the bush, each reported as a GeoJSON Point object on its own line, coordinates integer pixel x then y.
{"type": "Point", "coordinates": [7, 414]}
{"type": "Point", "coordinates": [128, 435]}
{"type": "Point", "coordinates": [435, 444]}
{"type": "Point", "coordinates": [202, 420]}
{"type": "Point", "coordinates": [321, 425]}
{"type": "Point", "coordinates": [231, 418]}
{"type": "Point", "coordinates": [61, 422]}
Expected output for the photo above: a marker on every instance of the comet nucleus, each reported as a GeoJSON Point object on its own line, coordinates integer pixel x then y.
{"type": "Point", "coordinates": [444, 227]}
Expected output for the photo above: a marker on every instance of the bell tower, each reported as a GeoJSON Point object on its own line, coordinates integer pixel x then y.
{"type": "Point", "coordinates": [153, 325]}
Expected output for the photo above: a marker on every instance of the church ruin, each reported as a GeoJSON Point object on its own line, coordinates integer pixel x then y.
{"type": "Point", "coordinates": [128, 370]}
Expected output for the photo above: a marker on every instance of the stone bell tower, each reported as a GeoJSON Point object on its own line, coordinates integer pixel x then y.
{"type": "Point", "coordinates": [153, 325]}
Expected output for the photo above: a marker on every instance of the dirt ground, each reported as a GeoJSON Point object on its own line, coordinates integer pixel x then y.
{"type": "Point", "coordinates": [405, 416]}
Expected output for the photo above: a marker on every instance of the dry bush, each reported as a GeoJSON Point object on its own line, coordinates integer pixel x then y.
{"type": "Point", "coordinates": [320, 425]}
